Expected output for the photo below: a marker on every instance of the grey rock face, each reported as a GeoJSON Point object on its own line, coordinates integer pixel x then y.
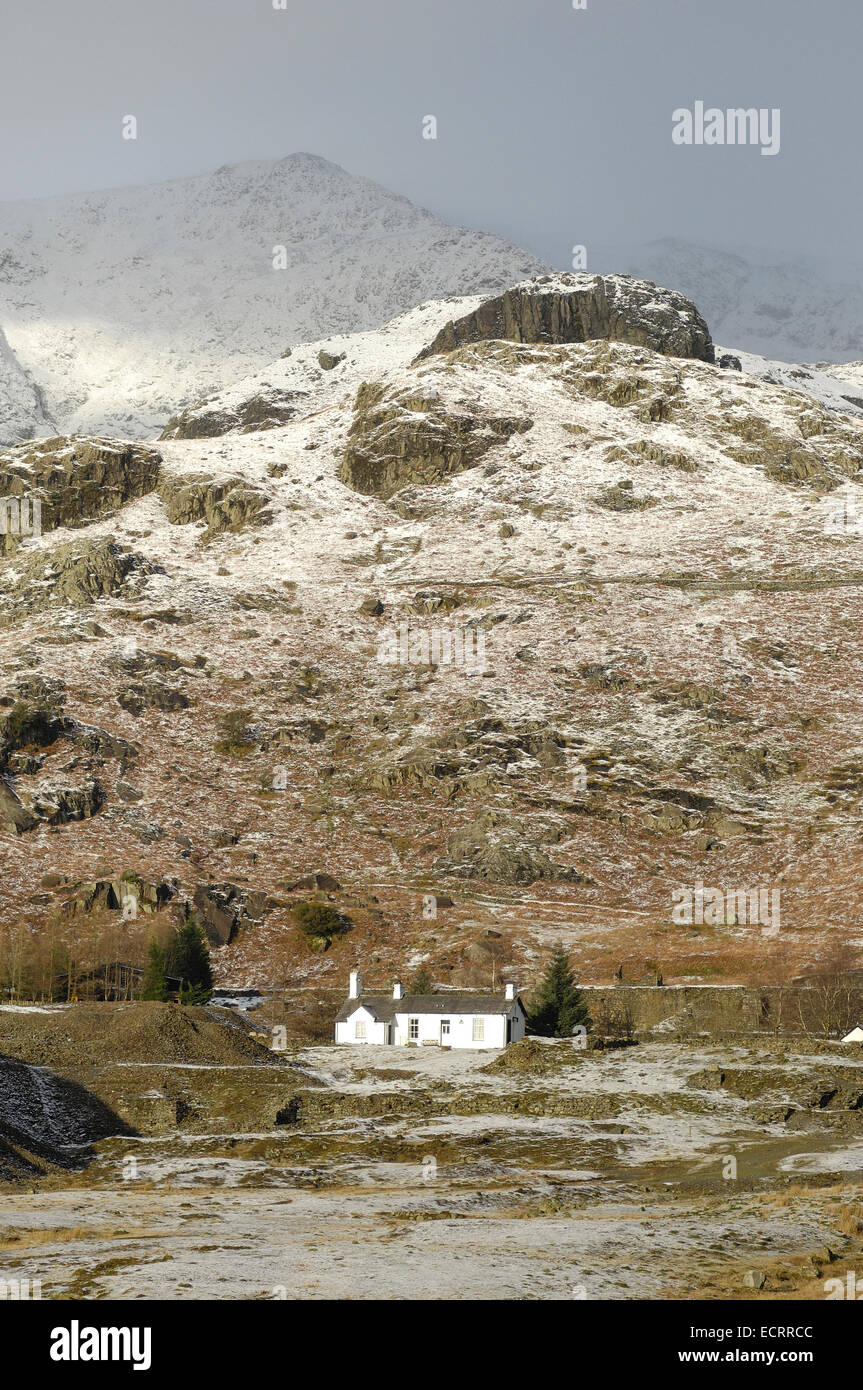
{"type": "Point", "coordinates": [502, 853]}
{"type": "Point", "coordinates": [576, 308]}
{"type": "Point", "coordinates": [401, 438]}
{"type": "Point", "coordinates": [77, 480]}
{"type": "Point", "coordinates": [226, 504]}
{"type": "Point", "coordinates": [261, 412]}
{"type": "Point", "coordinates": [112, 894]}
{"type": "Point", "coordinates": [76, 574]}
{"type": "Point", "coordinates": [15, 819]}
{"type": "Point", "coordinates": [223, 908]}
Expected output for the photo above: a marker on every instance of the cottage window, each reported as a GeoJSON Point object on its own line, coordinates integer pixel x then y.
{"type": "Point", "coordinates": [413, 1027]}
{"type": "Point", "coordinates": [479, 1030]}
{"type": "Point", "coordinates": [359, 1029]}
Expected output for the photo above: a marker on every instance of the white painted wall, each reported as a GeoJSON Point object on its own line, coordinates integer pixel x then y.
{"type": "Point", "coordinates": [375, 1031]}
{"type": "Point", "coordinates": [430, 1032]}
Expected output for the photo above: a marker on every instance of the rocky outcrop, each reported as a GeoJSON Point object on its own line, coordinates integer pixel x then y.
{"type": "Point", "coordinates": [58, 803]}
{"type": "Point", "coordinates": [76, 480]}
{"type": "Point", "coordinates": [622, 498]}
{"type": "Point", "coordinates": [819, 455]}
{"type": "Point", "coordinates": [223, 908]}
{"type": "Point", "coordinates": [152, 694]}
{"type": "Point", "coordinates": [399, 438]}
{"type": "Point", "coordinates": [33, 719]}
{"type": "Point", "coordinates": [576, 308]}
{"type": "Point", "coordinates": [502, 853]}
{"type": "Point", "coordinates": [259, 412]}
{"type": "Point", "coordinates": [77, 573]}
{"type": "Point", "coordinates": [28, 725]}
{"type": "Point", "coordinates": [226, 504]}
{"type": "Point", "coordinates": [126, 891]}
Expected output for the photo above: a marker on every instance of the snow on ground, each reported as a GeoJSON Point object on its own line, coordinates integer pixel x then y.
{"type": "Point", "coordinates": [518, 1205]}
{"type": "Point", "coordinates": [33, 1008]}
{"type": "Point", "coordinates": [125, 305]}
{"type": "Point", "coordinates": [839, 386]}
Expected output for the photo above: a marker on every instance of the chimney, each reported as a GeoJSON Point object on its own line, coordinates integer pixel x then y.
{"type": "Point", "coordinates": [355, 985]}
{"type": "Point", "coordinates": [398, 990]}
{"type": "Point", "coordinates": [510, 992]}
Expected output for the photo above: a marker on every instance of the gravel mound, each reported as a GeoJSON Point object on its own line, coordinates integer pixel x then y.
{"type": "Point", "coordinates": [95, 1034]}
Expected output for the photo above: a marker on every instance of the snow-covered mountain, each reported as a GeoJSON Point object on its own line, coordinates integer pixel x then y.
{"type": "Point", "coordinates": [837, 387]}
{"type": "Point", "coordinates": [780, 309]}
{"type": "Point", "coordinates": [121, 307]}
{"type": "Point", "coordinates": [202, 688]}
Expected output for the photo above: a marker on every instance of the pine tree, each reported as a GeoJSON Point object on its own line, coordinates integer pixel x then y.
{"type": "Point", "coordinates": [190, 962]}
{"type": "Point", "coordinates": [421, 982]}
{"type": "Point", "coordinates": [559, 1006]}
{"type": "Point", "coordinates": [154, 984]}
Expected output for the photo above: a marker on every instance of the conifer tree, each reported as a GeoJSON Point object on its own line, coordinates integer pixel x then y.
{"type": "Point", "coordinates": [421, 981]}
{"type": "Point", "coordinates": [154, 984]}
{"type": "Point", "coordinates": [190, 961]}
{"type": "Point", "coordinates": [559, 1006]}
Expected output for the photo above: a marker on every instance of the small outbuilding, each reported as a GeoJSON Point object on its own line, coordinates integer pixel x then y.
{"type": "Point", "coordinates": [454, 1018]}
{"type": "Point", "coordinates": [856, 1035]}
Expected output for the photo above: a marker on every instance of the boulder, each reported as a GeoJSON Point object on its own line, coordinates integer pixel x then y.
{"type": "Point", "coordinates": [226, 504]}
{"type": "Point", "coordinates": [223, 908]}
{"type": "Point", "coordinates": [400, 437]}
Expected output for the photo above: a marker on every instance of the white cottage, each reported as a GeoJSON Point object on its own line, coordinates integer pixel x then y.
{"type": "Point", "coordinates": [856, 1035]}
{"type": "Point", "coordinates": [452, 1019]}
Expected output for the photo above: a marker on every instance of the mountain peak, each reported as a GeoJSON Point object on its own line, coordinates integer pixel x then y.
{"type": "Point", "coordinates": [122, 307]}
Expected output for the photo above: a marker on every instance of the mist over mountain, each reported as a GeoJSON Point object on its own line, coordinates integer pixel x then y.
{"type": "Point", "coordinates": [779, 307]}
{"type": "Point", "coordinates": [117, 308]}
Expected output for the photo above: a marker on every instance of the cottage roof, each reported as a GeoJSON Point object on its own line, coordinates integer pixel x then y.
{"type": "Point", "coordinates": [380, 1006]}
{"type": "Point", "coordinates": [384, 1008]}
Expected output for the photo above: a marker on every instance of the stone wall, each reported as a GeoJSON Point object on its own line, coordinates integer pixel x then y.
{"type": "Point", "coordinates": [714, 1009]}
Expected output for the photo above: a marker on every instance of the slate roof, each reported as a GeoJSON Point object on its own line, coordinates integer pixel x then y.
{"type": "Point", "coordinates": [380, 1006]}
{"type": "Point", "coordinates": [384, 1008]}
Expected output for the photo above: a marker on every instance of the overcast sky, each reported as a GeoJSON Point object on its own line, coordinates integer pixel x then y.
{"type": "Point", "coordinates": [554, 124]}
